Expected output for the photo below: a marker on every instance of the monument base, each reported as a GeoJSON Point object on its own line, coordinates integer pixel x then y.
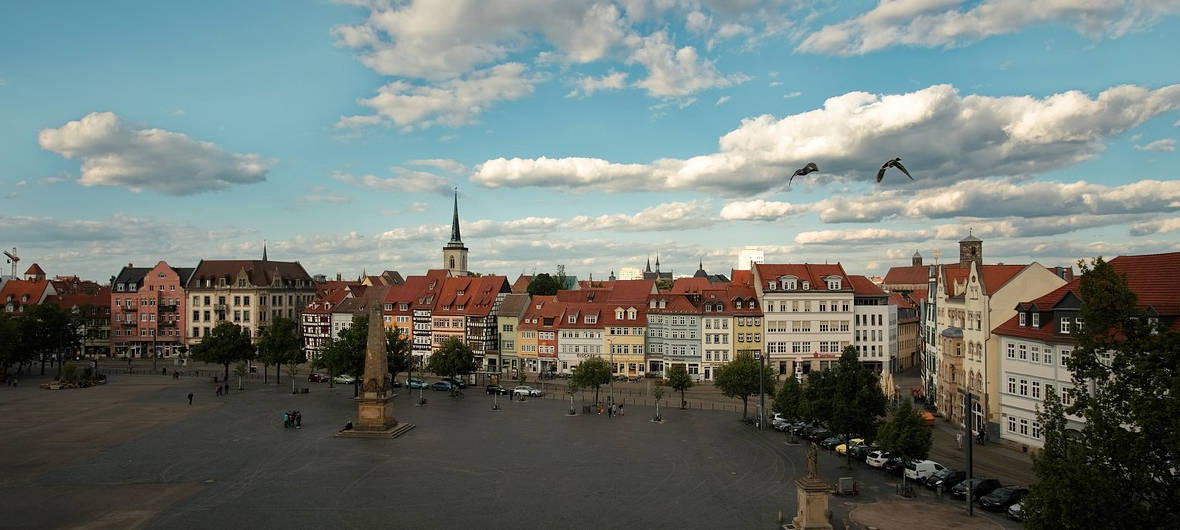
{"type": "Point", "coordinates": [374, 418]}
{"type": "Point", "coordinates": [813, 505]}
{"type": "Point", "coordinates": [388, 434]}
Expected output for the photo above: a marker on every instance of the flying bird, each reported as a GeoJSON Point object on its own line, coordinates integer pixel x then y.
{"type": "Point", "coordinates": [896, 162]}
{"type": "Point", "coordinates": [809, 168]}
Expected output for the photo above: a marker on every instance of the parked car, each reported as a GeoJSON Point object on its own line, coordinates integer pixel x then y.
{"type": "Point", "coordinates": [442, 386]}
{"type": "Point", "coordinates": [1001, 498]}
{"type": "Point", "coordinates": [861, 452]}
{"type": "Point", "coordinates": [496, 389]}
{"type": "Point", "coordinates": [818, 435]}
{"type": "Point", "coordinates": [921, 469]}
{"type": "Point", "coordinates": [344, 379]}
{"type": "Point", "coordinates": [895, 466]}
{"type": "Point", "coordinates": [455, 382]}
{"type": "Point", "coordinates": [525, 391]}
{"type": "Point", "coordinates": [842, 449]}
{"type": "Point", "coordinates": [947, 478]}
{"type": "Point", "coordinates": [317, 378]}
{"type": "Point", "coordinates": [1015, 512]}
{"type": "Point", "coordinates": [414, 382]}
{"type": "Point", "coordinates": [878, 458]}
{"type": "Point", "coordinates": [979, 487]}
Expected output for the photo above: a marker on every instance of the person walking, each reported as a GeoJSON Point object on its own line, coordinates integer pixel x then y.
{"type": "Point", "coordinates": [218, 390]}
{"type": "Point", "coordinates": [298, 420]}
{"type": "Point", "coordinates": [959, 440]}
{"type": "Point", "coordinates": [190, 398]}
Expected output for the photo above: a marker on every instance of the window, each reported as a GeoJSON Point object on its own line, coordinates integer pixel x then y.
{"type": "Point", "coordinates": [1023, 427]}
{"type": "Point", "coordinates": [1049, 356]}
{"type": "Point", "coordinates": [1022, 319]}
{"type": "Point", "coordinates": [833, 284]}
{"type": "Point", "coordinates": [1011, 350]}
{"type": "Point", "coordinates": [1066, 398]}
{"type": "Point", "coordinates": [1035, 354]}
{"type": "Point", "coordinates": [1023, 352]}
{"type": "Point", "coordinates": [1011, 385]}
{"type": "Point", "coordinates": [1036, 429]}
{"type": "Point", "coordinates": [1036, 320]}
{"type": "Point", "coordinates": [773, 285]}
{"type": "Point", "coordinates": [1024, 387]}
{"type": "Point", "coordinates": [1011, 424]}
{"type": "Point", "coordinates": [1036, 390]}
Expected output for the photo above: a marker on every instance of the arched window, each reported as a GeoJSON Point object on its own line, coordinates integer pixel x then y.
{"type": "Point", "coordinates": [452, 262]}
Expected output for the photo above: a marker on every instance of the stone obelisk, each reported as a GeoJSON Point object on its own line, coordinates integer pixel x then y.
{"type": "Point", "coordinates": [374, 406]}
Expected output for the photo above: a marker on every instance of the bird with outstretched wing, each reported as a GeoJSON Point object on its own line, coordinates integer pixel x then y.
{"type": "Point", "coordinates": [896, 162]}
{"type": "Point", "coordinates": [809, 168]}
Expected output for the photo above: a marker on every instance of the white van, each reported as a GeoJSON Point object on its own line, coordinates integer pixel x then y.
{"type": "Point", "coordinates": [920, 469]}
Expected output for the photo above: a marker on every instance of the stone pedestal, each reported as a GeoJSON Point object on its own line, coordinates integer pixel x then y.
{"type": "Point", "coordinates": [813, 505]}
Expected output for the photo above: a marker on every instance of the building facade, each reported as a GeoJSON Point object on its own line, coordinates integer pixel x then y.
{"type": "Point", "coordinates": [148, 311]}
{"type": "Point", "coordinates": [808, 318]}
{"type": "Point", "coordinates": [248, 293]}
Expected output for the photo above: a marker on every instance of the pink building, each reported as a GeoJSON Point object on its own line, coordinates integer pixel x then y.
{"type": "Point", "coordinates": [148, 310]}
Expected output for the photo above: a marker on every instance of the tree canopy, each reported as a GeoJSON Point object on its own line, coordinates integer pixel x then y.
{"type": "Point", "coordinates": [679, 380]}
{"type": "Point", "coordinates": [904, 434]}
{"type": "Point", "coordinates": [280, 344]}
{"type": "Point", "coordinates": [543, 284]}
{"type": "Point", "coordinates": [226, 344]}
{"type": "Point", "coordinates": [788, 399]}
{"type": "Point", "coordinates": [453, 358]}
{"type": "Point", "coordinates": [592, 373]}
{"type": "Point", "coordinates": [1125, 372]}
{"type": "Point", "coordinates": [397, 348]}
{"type": "Point", "coordinates": [739, 378]}
{"type": "Point", "coordinates": [858, 402]}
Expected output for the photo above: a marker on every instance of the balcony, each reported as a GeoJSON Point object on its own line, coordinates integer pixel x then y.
{"type": "Point", "coordinates": [130, 308]}
{"type": "Point", "coordinates": [128, 322]}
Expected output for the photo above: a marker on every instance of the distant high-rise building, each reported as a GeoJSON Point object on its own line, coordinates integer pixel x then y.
{"type": "Point", "coordinates": [749, 256]}
{"type": "Point", "coordinates": [630, 273]}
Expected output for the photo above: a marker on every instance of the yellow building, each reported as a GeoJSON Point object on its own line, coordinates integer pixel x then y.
{"type": "Point", "coordinates": [626, 327]}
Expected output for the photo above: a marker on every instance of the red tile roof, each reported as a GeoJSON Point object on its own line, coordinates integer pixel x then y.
{"type": "Point", "coordinates": [259, 273]}
{"type": "Point", "coordinates": [908, 275]}
{"type": "Point", "coordinates": [1155, 280]}
{"type": "Point", "coordinates": [900, 301]}
{"type": "Point", "coordinates": [35, 269]}
{"type": "Point", "coordinates": [327, 302]}
{"type": "Point", "coordinates": [862, 286]}
{"type": "Point", "coordinates": [521, 285]}
{"type": "Point", "coordinates": [1046, 332]}
{"type": "Point", "coordinates": [632, 290]}
{"type": "Point", "coordinates": [996, 276]}
{"type": "Point", "coordinates": [99, 298]}
{"type": "Point", "coordinates": [674, 304]}
{"type": "Point", "coordinates": [813, 273]}
{"type": "Point", "coordinates": [690, 285]}
{"type": "Point", "coordinates": [16, 290]}
{"type": "Point", "coordinates": [741, 277]}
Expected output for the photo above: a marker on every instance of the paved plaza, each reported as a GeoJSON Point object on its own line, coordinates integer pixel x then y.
{"type": "Point", "coordinates": [133, 453]}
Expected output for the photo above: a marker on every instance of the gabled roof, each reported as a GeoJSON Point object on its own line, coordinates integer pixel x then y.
{"type": "Point", "coordinates": [812, 273]}
{"type": "Point", "coordinates": [584, 295]}
{"type": "Point", "coordinates": [1155, 280]}
{"type": "Point", "coordinates": [258, 272]}
{"type": "Point", "coordinates": [632, 290]}
{"type": "Point", "coordinates": [862, 286]}
{"type": "Point", "coordinates": [18, 289]}
{"type": "Point", "coordinates": [132, 275]}
{"type": "Point", "coordinates": [327, 302]}
{"type": "Point", "coordinates": [476, 296]}
{"type": "Point", "coordinates": [744, 277]}
{"type": "Point", "coordinates": [521, 285]}
{"type": "Point", "coordinates": [100, 299]}
{"type": "Point", "coordinates": [1046, 331]}
{"type": "Point", "coordinates": [694, 285]}
{"type": "Point", "coordinates": [579, 311]}
{"type": "Point", "coordinates": [995, 276]}
{"type": "Point", "coordinates": [35, 269]}
{"type": "Point", "coordinates": [514, 305]}
{"type": "Point", "coordinates": [908, 275]}
{"type": "Point", "coordinates": [674, 304]}
{"type": "Point", "coordinates": [901, 301]}
{"type": "Point", "coordinates": [411, 289]}
{"type": "Point", "coordinates": [608, 313]}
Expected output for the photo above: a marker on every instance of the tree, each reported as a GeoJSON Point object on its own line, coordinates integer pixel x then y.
{"type": "Point", "coordinates": [543, 284]}
{"type": "Point", "coordinates": [453, 358]}
{"type": "Point", "coordinates": [787, 400]}
{"type": "Point", "coordinates": [658, 393]}
{"type": "Point", "coordinates": [345, 354]}
{"type": "Point", "coordinates": [12, 343]}
{"type": "Point", "coordinates": [816, 406]}
{"type": "Point", "coordinates": [679, 380]}
{"type": "Point", "coordinates": [904, 434]}
{"type": "Point", "coordinates": [278, 344]}
{"type": "Point", "coordinates": [241, 370]}
{"type": "Point", "coordinates": [858, 402]}
{"type": "Point", "coordinates": [397, 348]}
{"type": "Point", "coordinates": [46, 330]}
{"type": "Point", "coordinates": [664, 284]}
{"type": "Point", "coordinates": [226, 344]}
{"type": "Point", "coordinates": [739, 378]}
{"type": "Point", "coordinates": [1124, 386]}
{"type": "Point", "coordinates": [592, 373]}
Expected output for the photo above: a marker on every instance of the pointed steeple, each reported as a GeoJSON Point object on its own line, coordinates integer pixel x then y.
{"type": "Point", "coordinates": [264, 251]}
{"type": "Point", "coordinates": [657, 262]}
{"type": "Point", "coordinates": [648, 268]}
{"type": "Point", "coordinates": [455, 221]}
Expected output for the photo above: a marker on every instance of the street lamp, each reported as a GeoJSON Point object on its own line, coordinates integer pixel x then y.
{"type": "Point", "coordinates": [761, 394]}
{"type": "Point", "coordinates": [611, 344]}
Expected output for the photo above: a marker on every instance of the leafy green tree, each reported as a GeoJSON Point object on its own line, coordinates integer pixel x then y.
{"type": "Point", "coordinates": [543, 284]}
{"type": "Point", "coordinates": [397, 348]}
{"type": "Point", "coordinates": [739, 378]}
{"type": "Point", "coordinates": [1126, 387]}
{"type": "Point", "coordinates": [13, 349]}
{"type": "Point", "coordinates": [592, 373]}
{"type": "Point", "coordinates": [226, 344]}
{"type": "Point", "coordinates": [858, 403]}
{"type": "Point", "coordinates": [47, 331]}
{"type": "Point", "coordinates": [788, 398]}
{"type": "Point", "coordinates": [453, 359]}
{"type": "Point", "coordinates": [679, 380]}
{"type": "Point", "coordinates": [816, 406]}
{"type": "Point", "coordinates": [904, 434]}
{"type": "Point", "coordinates": [665, 284]}
{"type": "Point", "coordinates": [345, 354]}
{"type": "Point", "coordinates": [279, 343]}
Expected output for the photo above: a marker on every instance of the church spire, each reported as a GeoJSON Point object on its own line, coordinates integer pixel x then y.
{"type": "Point", "coordinates": [455, 221]}
{"type": "Point", "coordinates": [264, 250]}
{"type": "Point", "coordinates": [648, 268]}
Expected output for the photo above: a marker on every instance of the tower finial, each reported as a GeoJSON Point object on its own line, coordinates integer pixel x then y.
{"type": "Point", "coordinates": [263, 250]}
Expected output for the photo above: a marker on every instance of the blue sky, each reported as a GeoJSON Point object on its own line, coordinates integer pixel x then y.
{"type": "Point", "coordinates": [589, 134]}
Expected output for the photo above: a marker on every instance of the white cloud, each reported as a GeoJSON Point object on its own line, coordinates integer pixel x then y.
{"type": "Point", "coordinates": [22, 183]}
{"type": "Point", "coordinates": [588, 85]}
{"type": "Point", "coordinates": [945, 23]}
{"type": "Point", "coordinates": [455, 102]}
{"type": "Point", "coordinates": [407, 181]}
{"type": "Point", "coordinates": [672, 72]}
{"type": "Point", "coordinates": [419, 207]}
{"type": "Point", "coordinates": [116, 153]}
{"type": "Point", "coordinates": [942, 136]}
{"type": "Point", "coordinates": [760, 210]}
{"type": "Point", "coordinates": [320, 194]}
{"type": "Point", "coordinates": [445, 164]}
{"type": "Point", "coordinates": [721, 100]}
{"type": "Point", "coordinates": [677, 216]}
{"type": "Point", "coordinates": [1166, 144]}
{"type": "Point", "coordinates": [1156, 226]}
{"type": "Point", "coordinates": [794, 94]}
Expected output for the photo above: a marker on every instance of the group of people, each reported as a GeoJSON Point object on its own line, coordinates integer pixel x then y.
{"type": "Point", "coordinates": [611, 410]}
{"type": "Point", "coordinates": [222, 389]}
{"type": "Point", "coordinates": [292, 418]}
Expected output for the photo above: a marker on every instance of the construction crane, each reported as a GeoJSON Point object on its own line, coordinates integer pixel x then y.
{"type": "Point", "coordinates": [12, 259]}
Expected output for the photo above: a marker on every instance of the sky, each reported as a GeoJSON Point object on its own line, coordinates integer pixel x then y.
{"type": "Point", "coordinates": [589, 134]}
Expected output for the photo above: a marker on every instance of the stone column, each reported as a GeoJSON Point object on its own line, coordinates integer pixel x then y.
{"type": "Point", "coordinates": [375, 405]}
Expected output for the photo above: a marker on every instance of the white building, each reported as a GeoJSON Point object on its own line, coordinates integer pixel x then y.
{"type": "Point", "coordinates": [874, 326]}
{"type": "Point", "coordinates": [748, 257]}
{"type": "Point", "coordinates": [630, 273]}
{"type": "Point", "coordinates": [808, 313]}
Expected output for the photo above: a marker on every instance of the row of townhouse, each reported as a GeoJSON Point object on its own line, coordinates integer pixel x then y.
{"type": "Point", "coordinates": [1035, 343]}
{"type": "Point", "coordinates": [165, 309]}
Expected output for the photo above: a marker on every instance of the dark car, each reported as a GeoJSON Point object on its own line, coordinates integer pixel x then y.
{"type": "Point", "coordinates": [455, 382]}
{"type": "Point", "coordinates": [497, 389]}
{"type": "Point", "coordinates": [946, 478]}
{"type": "Point", "coordinates": [1001, 498]}
{"type": "Point", "coordinates": [979, 487]}
{"type": "Point", "coordinates": [832, 441]}
{"type": "Point", "coordinates": [317, 378]}
{"type": "Point", "coordinates": [818, 435]}
{"type": "Point", "coordinates": [861, 452]}
{"type": "Point", "coordinates": [895, 466]}
{"type": "Point", "coordinates": [441, 386]}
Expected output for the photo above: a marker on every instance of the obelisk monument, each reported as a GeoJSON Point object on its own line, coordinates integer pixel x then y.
{"type": "Point", "coordinates": [374, 405]}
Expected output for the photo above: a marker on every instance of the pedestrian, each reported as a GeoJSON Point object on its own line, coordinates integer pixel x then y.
{"type": "Point", "coordinates": [620, 411]}
{"type": "Point", "coordinates": [298, 420]}
{"type": "Point", "coordinates": [610, 410]}
{"type": "Point", "coordinates": [959, 439]}
{"type": "Point", "coordinates": [218, 390]}
{"type": "Point", "coordinates": [190, 398]}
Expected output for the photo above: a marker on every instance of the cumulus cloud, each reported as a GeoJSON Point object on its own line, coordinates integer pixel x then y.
{"type": "Point", "coordinates": [1155, 226]}
{"type": "Point", "coordinates": [672, 72]}
{"type": "Point", "coordinates": [760, 210]}
{"type": "Point", "coordinates": [1166, 144]}
{"type": "Point", "coordinates": [407, 181]}
{"type": "Point", "coordinates": [944, 137]}
{"type": "Point", "coordinates": [950, 23]}
{"type": "Point", "coordinates": [455, 102]}
{"type": "Point", "coordinates": [322, 195]}
{"type": "Point", "coordinates": [588, 85]}
{"type": "Point", "coordinates": [668, 216]}
{"type": "Point", "coordinates": [721, 100]}
{"type": "Point", "coordinates": [117, 153]}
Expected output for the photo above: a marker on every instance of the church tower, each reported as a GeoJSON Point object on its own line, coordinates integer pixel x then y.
{"type": "Point", "coordinates": [970, 249]}
{"type": "Point", "coordinates": [454, 253]}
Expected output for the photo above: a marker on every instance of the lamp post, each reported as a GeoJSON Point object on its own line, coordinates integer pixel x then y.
{"type": "Point", "coordinates": [761, 394]}
{"type": "Point", "coordinates": [611, 343]}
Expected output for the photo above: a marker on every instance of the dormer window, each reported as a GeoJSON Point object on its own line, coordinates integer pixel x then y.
{"type": "Point", "coordinates": [806, 285]}
{"type": "Point", "coordinates": [773, 285]}
{"type": "Point", "coordinates": [1036, 320]}
{"type": "Point", "coordinates": [573, 319]}
{"type": "Point", "coordinates": [619, 314]}
{"type": "Point", "coordinates": [652, 303]}
{"type": "Point", "coordinates": [663, 304]}
{"type": "Point", "coordinates": [790, 283]}
{"type": "Point", "coordinates": [737, 304]}
{"type": "Point", "coordinates": [591, 319]}
{"type": "Point", "coordinates": [631, 312]}
{"type": "Point", "coordinates": [833, 283]}
{"type": "Point", "coordinates": [460, 292]}
{"type": "Point", "coordinates": [1065, 326]}
{"type": "Point", "coordinates": [1023, 316]}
